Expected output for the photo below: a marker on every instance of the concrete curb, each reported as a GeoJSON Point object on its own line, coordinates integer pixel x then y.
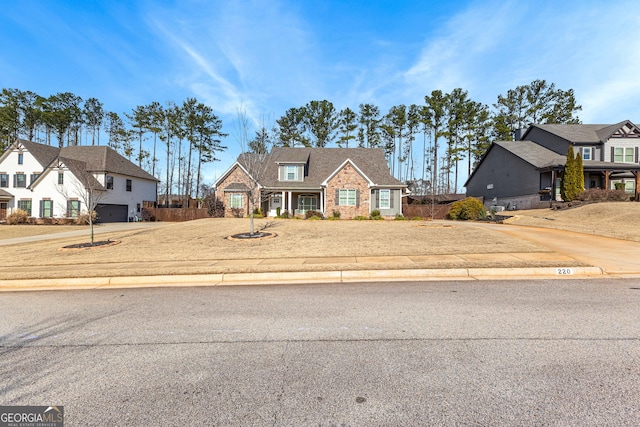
{"type": "Point", "coordinates": [349, 276]}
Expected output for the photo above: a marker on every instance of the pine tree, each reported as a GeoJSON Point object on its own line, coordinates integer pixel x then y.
{"type": "Point", "coordinates": [572, 177]}
{"type": "Point", "coordinates": [579, 174]}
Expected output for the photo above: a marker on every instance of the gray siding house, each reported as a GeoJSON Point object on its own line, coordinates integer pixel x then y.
{"type": "Point", "coordinates": [527, 173]}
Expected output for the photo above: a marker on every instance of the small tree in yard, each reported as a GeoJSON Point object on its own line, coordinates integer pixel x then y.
{"type": "Point", "coordinates": [572, 177]}
{"type": "Point", "coordinates": [90, 191]}
{"type": "Point", "coordinates": [87, 188]}
{"type": "Point", "coordinates": [253, 161]}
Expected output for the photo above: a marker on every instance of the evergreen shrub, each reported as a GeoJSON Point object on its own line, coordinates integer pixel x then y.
{"type": "Point", "coordinates": [467, 209]}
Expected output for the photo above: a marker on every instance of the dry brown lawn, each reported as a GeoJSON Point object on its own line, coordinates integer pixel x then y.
{"type": "Point", "coordinates": [197, 246]}
{"type": "Point", "coordinates": [11, 231]}
{"type": "Point", "coordinates": [618, 220]}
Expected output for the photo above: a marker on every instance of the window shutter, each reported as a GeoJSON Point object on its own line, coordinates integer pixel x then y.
{"type": "Point", "coordinates": [391, 194]}
{"type": "Point", "coordinates": [637, 159]}
{"type": "Point", "coordinates": [357, 198]}
{"type": "Point", "coordinates": [300, 173]}
{"type": "Point", "coordinates": [376, 199]}
{"type": "Point", "coordinates": [15, 180]}
{"type": "Point", "coordinates": [280, 173]}
{"type": "Point", "coordinates": [613, 154]}
{"type": "Point", "coordinates": [41, 208]}
{"type": "Point", "coordinates": [337, 197]}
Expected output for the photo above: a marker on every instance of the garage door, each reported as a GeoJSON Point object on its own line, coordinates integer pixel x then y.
{"type": "Point", "coordinates": [112, 213]}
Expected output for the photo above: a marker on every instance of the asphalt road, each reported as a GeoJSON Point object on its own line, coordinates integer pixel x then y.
{"type": "Point", "coordinates": [451, 353]}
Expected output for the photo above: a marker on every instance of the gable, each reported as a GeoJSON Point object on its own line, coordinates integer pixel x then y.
{"type": "Point", "coordinates": [349, 172]}
{"type": "Point", "coordinates": [236, 178]}
{"type": "Point", "coordinates": [627, 130]}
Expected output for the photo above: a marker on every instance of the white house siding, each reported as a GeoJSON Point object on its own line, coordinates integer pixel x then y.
{"type": "Point", "coordinates": [141, 190]}
{"type": "Point", "coordinates": [11, 167]}
{"type": "Point", "coordinates": [47, 187]}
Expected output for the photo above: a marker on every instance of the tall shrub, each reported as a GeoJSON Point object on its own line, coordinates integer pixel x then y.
{"type": "Point", "coordinates": [579, 174]}
{"type": "Point", "coordinates": [572, 177]}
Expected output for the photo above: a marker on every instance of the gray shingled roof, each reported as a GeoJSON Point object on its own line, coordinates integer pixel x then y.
{"type": "Point", "coordinates": [104, 159]}
{"type": "Point", "coordinates": [532, 153]}
{"type": "Point", "coordinates": [80, 170]}
{"type": "Point", "coordinates": [44, 154]}
{"type": "Point", "coordinates": [237, 186]}
{"type": "Point", "coordinates": [580, 133]}
{"type": "Point", "coordinates": [322, 162]}
{"type": "Point", "coordinates": [97, 158]}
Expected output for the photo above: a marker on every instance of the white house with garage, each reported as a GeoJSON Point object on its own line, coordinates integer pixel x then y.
{"type": "Point", "coordinates": [51, 182]}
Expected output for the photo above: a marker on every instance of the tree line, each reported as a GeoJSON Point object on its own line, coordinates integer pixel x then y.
{"type": "Point", "coordinates": [190, 133]}
{"type": "Point", "coordinates": [426, 145]}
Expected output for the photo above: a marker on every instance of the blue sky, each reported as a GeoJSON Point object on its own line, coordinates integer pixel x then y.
{"type": "Point", "coordinates": [267, 56]}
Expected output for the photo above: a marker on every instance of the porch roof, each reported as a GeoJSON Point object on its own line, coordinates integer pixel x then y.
{"type": "Point", "coordinates": [237, 186]}
{"type": "Point", "coordinates": [4, 195]}
{"type": "Point", "coordinates": [595, 166]}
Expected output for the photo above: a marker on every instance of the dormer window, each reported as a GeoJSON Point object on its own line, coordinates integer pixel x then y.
{"type": "Point", "coordinates": [291, 172]}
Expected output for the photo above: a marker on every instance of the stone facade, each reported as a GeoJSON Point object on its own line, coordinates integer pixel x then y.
{"type": "Point", "coordinates": [237, 176]}
{"type": "Point", "coordinates": [348, 178]}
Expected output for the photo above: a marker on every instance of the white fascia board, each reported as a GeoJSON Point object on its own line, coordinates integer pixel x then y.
{"type": "Point", "coordinates": [331, 175]}
{"type": "Point", "coordinates": [228, 171]}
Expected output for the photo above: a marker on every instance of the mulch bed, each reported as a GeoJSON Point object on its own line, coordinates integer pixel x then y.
{"type": "Point", "coordinates": [88, 245]}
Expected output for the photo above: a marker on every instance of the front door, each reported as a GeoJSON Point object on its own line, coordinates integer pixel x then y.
{"type": "Point", "coordinates": [275, 202]}
{"type": "Point", "coordinates": [3, 210]}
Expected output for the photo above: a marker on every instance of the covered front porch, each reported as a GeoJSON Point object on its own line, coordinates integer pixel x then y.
{"type": "Point", "coordinates": [607, 176]}
{"type": "Point", "coordinates": [295, 202]}
{"type": "Point", "coordinates": [5, 199]}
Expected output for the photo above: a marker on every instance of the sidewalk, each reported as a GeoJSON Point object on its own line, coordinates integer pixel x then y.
{"type": "Point", "coordinates": [569, 255]}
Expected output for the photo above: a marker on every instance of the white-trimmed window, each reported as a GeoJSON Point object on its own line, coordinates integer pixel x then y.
{"type": "Point", "coordinates": [623, 154]}
{"type": "Point", "coordinates": [347, 197]}
{"type": "Point", "coordinates": [587, 153]}
{"type": "Point", "coordinates": [109, 182]}
{"type": "Point", "coordinates": [290, 172]}
{"type": "Point", "coordinates": [236, 200]}
{"type": "Point", "coordinates": [4, 180]}
{"type": "Point", "coordinates": [385, 199]}
{"type": "Point", "coordinates": [60, 178]}
{"type": "Point", "coordinates": [307, 202]}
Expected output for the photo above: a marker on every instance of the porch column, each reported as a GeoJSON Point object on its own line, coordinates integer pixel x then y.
{"type": "Point", "coordinates": [553, 185]}
{"type": "Point", "coordinates": [637, 192]}
{"type": "Point", "coordinates": [289, 201]}
{"type": "Point", "coordinates": [284, 208]}
{"type": "Point", "coordinates": [606, 180]}
{"type": "Point", "coordinates": [322, 201]}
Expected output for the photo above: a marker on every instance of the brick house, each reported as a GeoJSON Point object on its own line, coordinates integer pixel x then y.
{"type": "Point", "coordinates": [351, 181]}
